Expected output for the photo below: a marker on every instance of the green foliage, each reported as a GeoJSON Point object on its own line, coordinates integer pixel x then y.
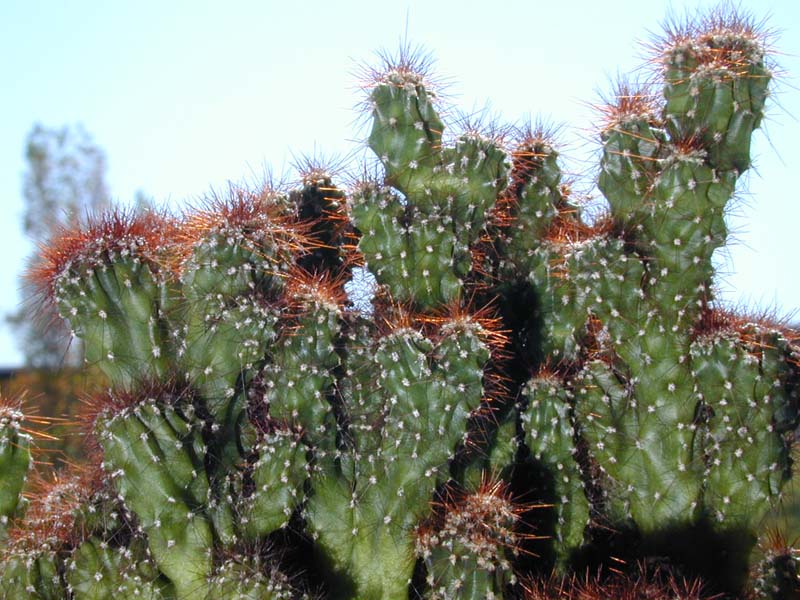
{"type": "Point", "coordinates": [530, 393]}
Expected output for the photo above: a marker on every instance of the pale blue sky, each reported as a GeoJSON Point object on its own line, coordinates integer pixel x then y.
{"type": "Point", "coordinates": [184, 96]}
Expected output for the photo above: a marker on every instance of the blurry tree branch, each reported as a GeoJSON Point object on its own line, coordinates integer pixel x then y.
{"type": "Point", "coordinates": [65, 182]}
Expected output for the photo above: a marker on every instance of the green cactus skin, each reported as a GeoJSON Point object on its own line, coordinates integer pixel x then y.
{"type": "Point", "coordinates": [776, 573]}
{"type": "Point", "coordinates": [367, 501]}
{"type": "Point", "coordinates": [468, 554]}
{"type": "Point", "coordinates": [109, 291]}
{"type": "Point", "coordinates": [248, 577]}
{"type": "Point", "coordinates": [418, 246]}
{"type": "Point", "coordinates": [278, 477]}
{"type": "Point", "coordinates": [154, 455]}
{"type": "Point", "coordinates": [15, 460]}
{"type": "Point", "coordinates": [31, 576]}
{"type": "Point", "coordinates": [249, 407]}
{"type": "Point", "coordinates": [299, 376]}
{"type": "Point", "coordinates": [35, 558]}
{"type": "Point", "coordinates": [551, 439]}
{"type": "Point", "coordinates": [748, 456]}
{"type": "Point", "coordinates": [97, 571]}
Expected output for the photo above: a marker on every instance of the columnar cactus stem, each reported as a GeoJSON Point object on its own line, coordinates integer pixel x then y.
{"type": "Point", "coordinates": [106, 280]}
{"type": "Point", "coordinates": [513, 349]}
{"type": "Point", "coordinates": [97, 571]}
{"type": "Point", "coordinates": [551, 438]}
{"type": "Point", "coordinates": [155, 456]}
{"type": "Point", "coordinates": [776, 574]}
{"type": "Point", "coordinates": [468, 554]}
{"type": "Point", "coordinates": [15, 460]}
{"type": "Point", "coordinates": [418, 244]}
{"type": "Point", "coordinates": [412, 390]}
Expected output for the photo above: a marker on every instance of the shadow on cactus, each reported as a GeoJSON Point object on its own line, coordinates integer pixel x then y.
{"type": "Point", "coordinates": [531, 397]}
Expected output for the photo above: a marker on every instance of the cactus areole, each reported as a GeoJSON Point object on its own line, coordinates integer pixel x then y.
{"type": "Point", "coordinates": [530, 396]}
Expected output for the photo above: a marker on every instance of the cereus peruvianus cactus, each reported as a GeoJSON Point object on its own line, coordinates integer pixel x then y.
{"type": "Point", "coordinates": [532, 396]}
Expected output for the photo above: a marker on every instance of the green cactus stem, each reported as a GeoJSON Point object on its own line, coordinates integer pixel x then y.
{"type": "Point", "coordinates": [551, 438]}
{"type": "Point", "coordinates": [106, 280]}
{"type": "Point", "coordinates": [409, 389]}
{"type": "Point", "coordinates": [98, 571]}
{"type": "Point", "coordinates": [417, 244]}
{"type": "Point", "coordinates": [468, 553]}
{"type": "Point", "coordinates": [15, 460]}
{"type": "Point", "coordinates": [154, 454]}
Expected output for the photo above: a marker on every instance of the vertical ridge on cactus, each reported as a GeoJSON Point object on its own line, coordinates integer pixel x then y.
{"type": "Point", "coordinates": [261, 437]}
{"type": "Point", "coordinates": [15, 459]}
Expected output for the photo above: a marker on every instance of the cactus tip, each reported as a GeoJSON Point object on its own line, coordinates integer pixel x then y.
{"type": "Point", "coordinates": [118, 231]}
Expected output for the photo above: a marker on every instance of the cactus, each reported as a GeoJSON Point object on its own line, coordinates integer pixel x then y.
{"type": "Point", "coordinates": [15, 459]}
{"type": "Point", "coordinates": [775, 574]}
{"type": "Point", "coordinates": [531, 394]}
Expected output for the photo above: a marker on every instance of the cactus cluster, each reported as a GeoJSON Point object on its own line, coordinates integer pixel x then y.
{"type": "Point", "coordinates": [531, 394]}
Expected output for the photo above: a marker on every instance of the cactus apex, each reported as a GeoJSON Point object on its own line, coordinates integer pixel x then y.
{"type": "Point", "coordinates": [255, 216]}
{"type": "Point", "coordinates": [469, 543]}
{"type": "Point", "coordinates": [408, 66]}
{"type": "Point", "coordinates": [50, 519]}
{"type": "Point", "coordinates": [642, 583]}
{"type": "Point", "coordinates": [322, 289]}
{"type": "Point", "coordinates": [483, 322]}
{"type": "Point", "coordinates": [776, 574]}
{"type": "Point", "coordinates": [724, 37]}
{"type": "Point", "coordinates": [629, 101]}
{"type": "Point", "coordinates": [13, 412]}
{"type": "Point", "coordinates": [533, 141]}
{"type": "Point", "coordinates": [111, 402]}
{"type": "Point", "coordinates": [144, 235]}
{"type": "Point", "coordinates": [490, 514]}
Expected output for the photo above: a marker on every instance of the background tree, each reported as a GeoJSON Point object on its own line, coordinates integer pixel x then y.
{"type": "Point", "coordinates": [64, 183]}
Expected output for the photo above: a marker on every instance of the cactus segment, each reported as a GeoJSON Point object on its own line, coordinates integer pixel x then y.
{"type": "Point", "coordinates": [321, 204]}
{"type": "Point", "coordinates": [247, 578]}
{"type": "Point", "coordinates": [634, 442]}
{"type": "Point", "coordinates": [15, 460]}
{"type": "Point", "coordinates": [422, 391]}
{"type": "Point", "coordinates": [468, 555]}
{"type": "Point", "coordinates": [775, 575]}
{"type": "Point", "coordinates": [278, 477]}
{"type": "Point", "coordinates": [632, 149]}
{"type": "Point", "coordinates": [109, 291]}
{"type": "Point", "coordinates": [299, 375]}
{"type": "Point", "coordinates": [97, 571]}
{"type": "Point", "coordinates": [742, 377]}
{"type": "Point", "coordinates": [224, 345]}
{"type": "Point", "coordinates": [61, 512]}
{"type": "Point", "coordinates": [240, 251]}
{"type": "Point", "coordinates": [716, 87]}
{"type": "Point", "coordinates": [227, 265]}
{"type": "Point", "coordinates": [417, 256]}
{"type": "Point", "coordinates": [246, 242]}
{"type": "Point", "coordinates": [31, 576]}
{"type": "Point", "coordinates": [447, 195]}
{"type": "Point", "coordinates": [406, 132]}
{"type": "Point", "coordinates": [550, 436]}
{"type": "Point", "coordinates": [538, 202]}
{"type": "Point", "coordinates": [155, 457]}
{"type": "Point", "coordinates": [691, 197]}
